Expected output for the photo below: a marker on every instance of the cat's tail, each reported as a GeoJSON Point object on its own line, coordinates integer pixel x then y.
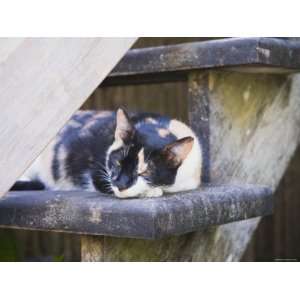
{"type": "Point", "coordinates": [33, 185]}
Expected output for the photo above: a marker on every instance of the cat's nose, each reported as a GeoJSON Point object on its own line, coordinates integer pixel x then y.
{"type": "Point", "coordinates": [121, 186]}
{"type": "Point", "coordinates": [123, 182]}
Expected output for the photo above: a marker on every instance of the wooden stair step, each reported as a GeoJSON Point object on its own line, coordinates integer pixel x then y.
{"type": "Point", "coordinates": [173, 62]}
{"type": "Point", "coordinates": [96, 214]}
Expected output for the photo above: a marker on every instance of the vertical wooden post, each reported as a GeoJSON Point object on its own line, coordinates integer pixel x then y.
{"type": "Point", "coordinates": [92, 248]}
{"type": "Point", "coordinates": [198, 112]}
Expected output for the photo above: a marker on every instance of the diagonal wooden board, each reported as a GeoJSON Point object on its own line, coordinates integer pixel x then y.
{"type": "Point", "coordinates": [43, 82]}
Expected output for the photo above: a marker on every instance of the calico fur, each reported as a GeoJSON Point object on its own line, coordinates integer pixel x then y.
{"type": "Point", "coordinates": [136, 155]}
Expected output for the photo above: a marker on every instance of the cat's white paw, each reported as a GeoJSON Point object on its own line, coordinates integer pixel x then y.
{"type": "Point", "coordinates": [155, 192]}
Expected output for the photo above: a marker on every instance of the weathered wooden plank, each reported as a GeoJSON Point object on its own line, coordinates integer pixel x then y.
{"type": "Point", "coordinates": [277, 236]}
{"type": "Point", "coordinates": [43, 81]}
{"type": "Point", "coordinates": [173, 62]}
{"type": "Point", "coordinates": [199, 118]}
{"type": "Point", "coordinates": [91, 248]}
{"type": "Point", "coordinates": [96, 214]}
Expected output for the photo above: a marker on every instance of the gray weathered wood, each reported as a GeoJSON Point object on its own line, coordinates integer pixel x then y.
{"type": "Point", "coordinates": [96, 214]}
{"type": "Point", "coordinates": [92, 249]}
{"type": "Point", "coordinates": [43, 81]}
{"type": "Point", "coordinates": [199, 118]}
{"type": "Point", "coordinates": [174, 62]}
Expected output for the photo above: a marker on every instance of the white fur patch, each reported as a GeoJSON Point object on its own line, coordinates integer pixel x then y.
{"type": "Point", "coordinates": [189, 173]}
{"type": "Point", "coordinates": [42, 167]}
{"type": "Point", "coordinates": [151, 120]}
{"type": "Point", "coordinates": [142, 165]}
{"type": "Point", "coordinates": [140, 188]}
{"type": "Point", "coordinates": [74, 124]}
{"type": "Point", "coordinates": [117, 144]}
{"type": "Point", "coordinates": [162, 132]}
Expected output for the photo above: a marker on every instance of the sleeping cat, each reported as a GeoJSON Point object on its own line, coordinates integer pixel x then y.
{"type": "Point", "coordinates": [141, 155]}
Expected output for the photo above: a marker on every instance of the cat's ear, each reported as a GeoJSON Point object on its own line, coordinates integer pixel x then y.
{"type": "Point", "coordinates": [175, 153]}
{"type": "Point", "coordinates": [124, 128]}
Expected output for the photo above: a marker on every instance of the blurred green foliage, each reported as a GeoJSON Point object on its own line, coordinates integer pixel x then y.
{"type": "Point", "coordinates": [8, 247]}
{"type": "Point", "coordinates": [58, 258]}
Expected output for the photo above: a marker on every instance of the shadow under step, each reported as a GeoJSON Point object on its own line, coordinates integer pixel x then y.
{"type": "Point", "coordinates": [92, 213]}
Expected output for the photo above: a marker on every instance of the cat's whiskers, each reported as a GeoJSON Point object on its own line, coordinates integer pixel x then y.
{"type": "Point", "coordinates": [101, 166]}
{"type": "Point", "coordinates": [104, 175]}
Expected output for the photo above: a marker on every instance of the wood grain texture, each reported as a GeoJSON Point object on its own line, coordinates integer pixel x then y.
{"type": "Point", "coordinates": [254, 133]}
{"type": "Point", "coordinates": [173, 62]}
{"type": "Point", "coordinates": [92, 249]}
{"type": "Point", "coordinates": [165, 98]}
{"type": "Point", "coordinates": [43, 81]}
{"type": "Point", "coordinates": [277, 237]}
{"type": "Point", "coordinates": [199, 111]}
{"type": "Point", "coordinates": [83, 212]}
{"type": "Point", "coordinates": [252, 120]}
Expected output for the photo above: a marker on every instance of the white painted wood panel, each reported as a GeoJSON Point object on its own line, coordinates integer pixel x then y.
{"type": "Point", "coordinates": [43, 82]}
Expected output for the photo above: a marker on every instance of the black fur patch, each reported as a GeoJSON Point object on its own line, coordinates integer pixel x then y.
{"type": "Point", "coordinates": [34, 185]}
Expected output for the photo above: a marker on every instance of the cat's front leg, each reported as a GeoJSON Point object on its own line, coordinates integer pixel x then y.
{"type": "Point", "coordinates": [154, 192]}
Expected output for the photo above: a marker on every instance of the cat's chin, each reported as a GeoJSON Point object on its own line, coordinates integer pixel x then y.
{"type": "Point", "coordinates": [151, 193]}
{"type": "Point", "coordinates": [144, 191]}
{"type": "Point", "coordinates": [139, 188]}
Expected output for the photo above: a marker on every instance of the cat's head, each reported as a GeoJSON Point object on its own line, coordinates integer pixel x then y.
{"type": "Point", "coordinates": [134, 168]}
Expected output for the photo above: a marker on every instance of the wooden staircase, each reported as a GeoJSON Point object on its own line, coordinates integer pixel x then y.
{"type": "Point", "coordinates": [243, 104]}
